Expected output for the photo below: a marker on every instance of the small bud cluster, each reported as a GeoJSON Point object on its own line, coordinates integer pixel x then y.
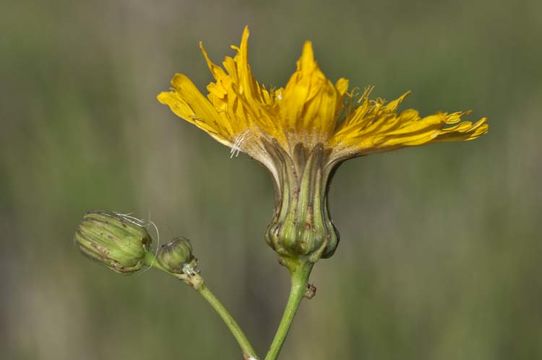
{"type": "Point", "coordinates": [122, 243]}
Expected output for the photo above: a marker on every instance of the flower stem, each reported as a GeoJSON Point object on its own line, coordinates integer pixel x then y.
{"type": "Point", "coordinates": [199, 285]}
{"type": "Point", "coordinates": [244, 343]}
{"type": "Point", "coordinates": [299, 273]}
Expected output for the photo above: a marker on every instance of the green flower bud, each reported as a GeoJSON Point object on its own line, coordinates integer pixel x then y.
{"type": "Point", "coordinates": [118, 241]}
{"type": "Point", "coordinates": [176, 255]}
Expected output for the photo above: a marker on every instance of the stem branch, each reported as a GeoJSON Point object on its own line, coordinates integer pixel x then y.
{"type": "Point", "coordinates": [242, 340]}
{"type": "Point", "coordinates": [197, 282]}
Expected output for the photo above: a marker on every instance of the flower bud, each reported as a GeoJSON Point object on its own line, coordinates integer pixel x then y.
{"type": "Point", "coordinates": [118, 241]}
{"type": "Point", "coordinates": [176, 255]}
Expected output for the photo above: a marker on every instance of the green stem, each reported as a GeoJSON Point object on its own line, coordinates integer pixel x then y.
{"type": "Point", "coordinates": [299, 279]}
{"type": "Point", "coordinates": [203, 290]}
{"type": "Point", "coordinates": [244, 343]}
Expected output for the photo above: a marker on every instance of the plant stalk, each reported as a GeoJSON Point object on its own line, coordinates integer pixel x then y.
{"type": "Point", "coordinates": [235, 329]}
{"type": "Point", "coordinates": [248, 350]}
{"type": "Point", "coordinates": [299, 273]}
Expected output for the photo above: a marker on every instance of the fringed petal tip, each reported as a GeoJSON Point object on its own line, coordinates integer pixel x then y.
{"type": "Point", "coordinates": [464, 131]}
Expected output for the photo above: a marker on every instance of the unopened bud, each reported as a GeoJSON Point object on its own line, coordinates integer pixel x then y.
{"type": "Point", "coordinates": [118, 241]}
{"type": "Point", "coordinates": [176, 256]}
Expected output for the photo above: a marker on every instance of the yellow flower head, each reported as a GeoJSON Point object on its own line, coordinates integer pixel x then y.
{"type": "Point", "coordinates": [241, 113]}
{"type": "Point", "coordinates": [311, 120]}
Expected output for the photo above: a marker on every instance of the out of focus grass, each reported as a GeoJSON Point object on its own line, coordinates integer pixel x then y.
{"type": "Point", "coordinates": [441, 253]}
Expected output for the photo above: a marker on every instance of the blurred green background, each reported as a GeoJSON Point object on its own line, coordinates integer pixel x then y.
{"type": "Point", "coordinates": [441, 253]}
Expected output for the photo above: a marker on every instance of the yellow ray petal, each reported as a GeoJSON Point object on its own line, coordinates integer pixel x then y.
{"type": "Point", "coordinates": [187, 102]}
{"type": "Point", "coordinates": [376, 126]}
{"type": "Point", "coordinates": [310, 102]}
{"type": "Point", "coordinates": [243, 102]}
